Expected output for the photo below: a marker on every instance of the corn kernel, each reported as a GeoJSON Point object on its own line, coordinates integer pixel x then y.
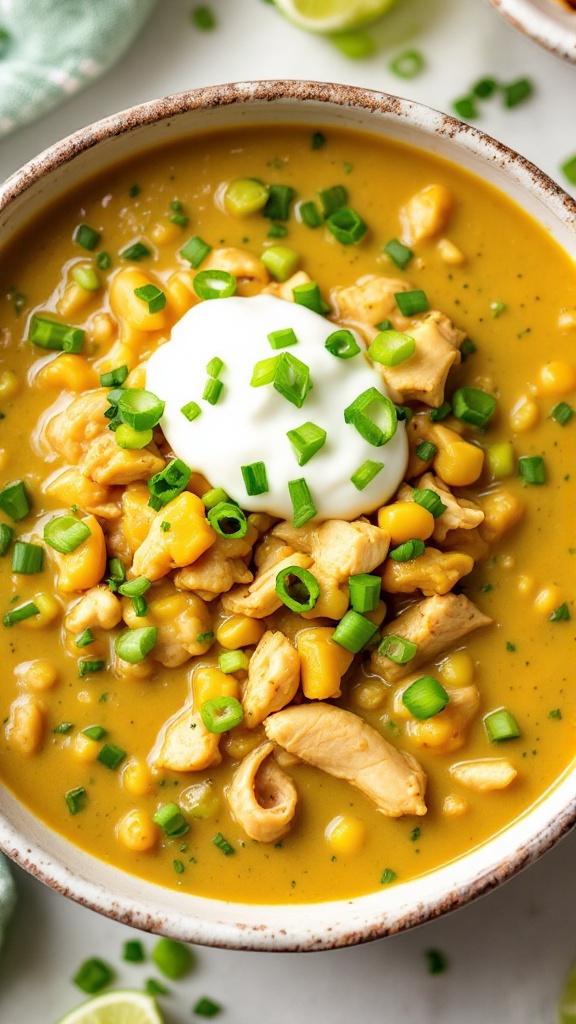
{"type": "Point", "coordinates": [567, 319]}
{"type": "Point", "coordinates": [524, 414]}
{"type": "Point", "coordinates": [450, 253]}
{"type": "Point", "coordinates": [4, 458]}
{"type": "Point", "coordinates": [209, 682]}
{"type": "Point", "coordinates": [369, 695]}
{"type": "Point", "coordinates": [137, 778]}
{"type": "Point", "coordinates": [457, 669]}
{"type": "Point", "coordinates": [200, 800]}
{"type": "Point", "coordinates": [548, 599]}
{"type": "Point", "coordinates": [322, 662]}
{"type": "Point", "coordinates": [49, 609]}
{"type": "Point", "coordinates": [240, 631]}
{"type": "Point", "coordinates": [557, 378]}
{"type": "Point", "coordinates": [10, 385]}
{"type": "Point", "coordinates": [37, 675]}
{"type": "Point", "coordinates": [73, 300]}
{"type": "Point", "coordinates": [199, 484]}
{"type": "Point", "coordinates": [103, 329]}
{"type": "Point", "coordinates": [180, 292]}
{"type": "Point", "coordinates": [454, 806]}
{"type": "Point", "coordinates": [459, 464]}
{"type": "Point", "coordinates": [126, 305]}
{"type": "Point", "coordinates": [67, 372]}
{"type": "Point", "coordinates": [136, 831]}
{"type": "Point", "coordinates": [406, 520]}
{"type": "Point", "coordinates": [165, 233]}
{"type": "Point", "coordinates": [500, 459]}
{"type": "Point", "coordinates": [526, 585]}
{"type": "Point", "coordinates": [346, 835]}
{"type": "Point", "coordinates": [85, 749]}
{"type": "Point", "coordinates": [25, 727]}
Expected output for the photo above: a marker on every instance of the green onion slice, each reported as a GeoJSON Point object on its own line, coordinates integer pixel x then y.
{"type": "Point", "coordinates": [429, 500]}
{"type": "Point", "coordinates": [282, 339]}
{"type": "Point", "coordinates": [532, 469]}
{"type": "Point", "coordinates": [347, 226]}
{"type": "Point", "coordinates": [407, 64]}
{"type": "Point", "coordinates": [426, 451]}
{"type": "Point", "coordinates": [228, 520]}
{"type": "Point", "coordinates": [365, 474]}
{"type": "Point", "coordinates": [171, 820]}
{"type": "Point", "coordinates": [86, 278]}
{"type": "Point", "coordinates": [214, 497]}
{"type": "Point", "coordinates": [501, 725]}
{"type": "Point", "coordinates": [306, 441]}
{"type": "Point", "coordinates": [390, 348]}
{"type": "Point", "coordinates": [333, 199]}
{"type": "Point", "coordinates": [255, 478]}
{"type": "Point", "coordinates": [132, 645]}
{"type": "Point", "coordinates": [65, 534]}
{"type": "Point", "coordinates": [303, 508]}
{"type": "Point", "coordinates": [6, 535]}
{"type": "Point", "coordinates": [214, 284]}
{"type": "Point", "coordinates": [439, 414]}
{"type": "Point", "coordinates": [195, 251]}
{"type": "Point", "coordinates": [132, 440]}
{"type": "Point", "coordinates": [84, 639]}
{"type": "Point", "coordinates": [24, 611]}
{"type": "Point", "coordinates": [75, 799]}
{"type": "Point", "coordinates": [27, 559]}
{"type": "Point", "coordinates": [342, 344]}
{"type": "Point", "coordinates": [364, 591]}
{"type": "Point", "coordinates": [374, 416]}
{"type": "Point", "coordinates": [562, 413]}
{"type": "Point", "coordinates": [168, 483]}
{"type": "Point", "coordinates": [88, 666]}
{"type": "Point", "coordinates": [405, 552]}
{"type": "Point", "coordinates": [297, 588]}
{"type": "Point", "coordinates": [212, 390]}
{"type": "Point", "coordinates": [222, 844]}
{"type": "Point", "coordinates": [140, 409]}
{"type": "Point", "coordinates": [111, 756]}
{"type": "Point", "coordinates": [354, 631]}
{"type": "Point", "coordinates": [292, 379]}
{"type": "Point", "coordinates": [424, 698]}
{"type": "Point", "coordinates": [86, 236]}
{"type": "Point", "coordinates": [152, 296]}
{"type": "Point", "coordinates": [561, 613]}
{"type": "Point", "coordinates": [114, 378]}
{"type": "Point", "coordinates": [214, 367]}
{"type": "Point", "coordinates": [135, 588]}
{"type": "Point", "coordinates": [136, 252]}
{"type": "Point", "coordinates": [221, 714]}
{"type": "Point", "coordinates": [399, 253]}
{"type": "Point", "coordinates": [191, 411]}
{"type": "Point", "coordinates": [309, 295]}
{"type": "Point", "coordinates": [233, 661]}
{"type": "Point", "coordinates": [93, 975]}
{"type": "Point", "coordinates": [310, 215]}
{"type": "Point", "coordinates": [14, 500]}
{"type": "Point", "coordinates": [94, 732]}
{"type": "Point", "coordinates": [410, 303]}
{"type": "Point", "coordinates": [397, 649]}
{"type": "Point", "coordinates": [278, 203]}
{"type": "Point", "coordinates": [280, 261]}
{"type": "Point", "coordinates": [54, 335]}
{"type": "Point", "coordinates": [472, 405]}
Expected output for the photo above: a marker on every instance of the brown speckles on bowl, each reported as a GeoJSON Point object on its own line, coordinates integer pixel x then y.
{"type": "Point", "coordinates": [546, 22]}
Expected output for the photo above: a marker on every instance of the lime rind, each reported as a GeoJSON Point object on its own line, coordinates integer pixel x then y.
{"type": "Point", "coordinates": [122, 1006]}
{"type": "Point", "coordinates": [333, 16]}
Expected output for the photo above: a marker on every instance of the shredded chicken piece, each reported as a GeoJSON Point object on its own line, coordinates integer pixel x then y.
{"type": "Point", "coordinates": [371, 300]}
{"type": "Point", "coordinates": [98, 608]}
{"type": "Point", "coordinates": [260, 598]}
{"type": "Point", "coordinates": [285, 289]}
{"type": "Point", "coordinates": [433, 572]}
{"type": "Point", "coordinates": [485, 774]}
{"type": "Point", "coordinates": [460, 513]}
{"type": "Point", "coordinates": [137, 515]}
{"type": "Point", "coordinates": [426, 214]}
{"type": "Point", "coordinates": [185, 744]}
{"type": "Point", "coordinates": [106, 463]}
{"type": "Point", "coordinates": [502, 511]}
{"type": "Point", "coordinates": [180, 618]}
{"type": "Point", "coordinates": [219, 568]}
{"type": "Point", "coordinates": [249, 271]}
{"type": "Point", "coordinates": [262, 797]}
{"type": "Point", "coordinates": [189, 536]}
{"type": "Point", "coordinates": [72, 488]}
{"type": "Point", "coordinates": [71, 431]}
{"type": "Point", "coordinates": [435, 624]}
{"type": "Point", "coordinates": [300, 539]}
{"type": "Point", "coordinates": [273, 678]}
{"type": "Point", "coordinates": [422, 377]}
{"type": "Point", "coordinates": [343, 745]}
{"type": "Point", "coordinates": [342, 549]}
{"type": "Point", "coordinates": [448, 730]}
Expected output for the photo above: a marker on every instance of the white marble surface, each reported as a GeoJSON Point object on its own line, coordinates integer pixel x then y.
{"type": "Point", "coordinates": [508, 953]}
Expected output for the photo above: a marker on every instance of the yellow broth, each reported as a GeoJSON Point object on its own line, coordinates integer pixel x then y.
{"type": "Point", "coordinates": [520, 662]}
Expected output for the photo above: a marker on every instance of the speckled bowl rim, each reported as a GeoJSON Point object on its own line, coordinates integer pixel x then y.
{"type": "Point", "coordinates": [543, 21]}
{"type": "Point", "coordinates": [326, 925]}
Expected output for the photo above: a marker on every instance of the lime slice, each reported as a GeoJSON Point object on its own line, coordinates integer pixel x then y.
{"type": "Point", "coordinates": [567, 1007]}
{"type": "Point", "coordinates": [332, 15]}
{"type": "Point", "coordinates": [125, 1006]}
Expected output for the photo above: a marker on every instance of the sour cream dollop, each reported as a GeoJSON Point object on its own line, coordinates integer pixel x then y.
{"type": "Point", "coordinates": [250, 424]}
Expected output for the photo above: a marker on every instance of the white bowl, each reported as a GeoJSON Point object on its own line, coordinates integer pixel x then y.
{"type": "Point", "coordinates": [548, 22]}
{"type": "Point", "coordinates": [344, 922]}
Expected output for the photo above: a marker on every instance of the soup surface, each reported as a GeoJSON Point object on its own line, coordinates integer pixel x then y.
{"type": "Point", "coordinates": [169, 704]}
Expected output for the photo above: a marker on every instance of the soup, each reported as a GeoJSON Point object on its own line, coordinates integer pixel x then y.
{"type": "Point", "coordinates": [269, 659]}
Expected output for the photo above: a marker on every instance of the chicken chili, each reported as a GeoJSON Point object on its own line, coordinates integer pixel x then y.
{"type": "Point", "coordinates": [285, 514]}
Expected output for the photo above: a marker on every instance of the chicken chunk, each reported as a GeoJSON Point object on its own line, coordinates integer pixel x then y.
{"type": "Point", "coordinates": [485, 774]}
{"type": "Point", "coordinates": [185, 744]}
{"type": "Point", "coordinates": [262, 798]}
{"type": "Point", "coordinates": [433, 572]}
{"type": "Point", "coordinates": [460, 513]}
{"type": "Point", "coordinates": [71, 431]}
{"type": "Point", "coordinates": [260, 598]}
{"type": "Point", "coordinates": [342, 549]}
{"type": "Point", "coordinates": [422, 377]}
{"type": "Point", "coordinates": [105, 462]}
{"type": "Point", "coordinates": [426, 214]}
{"type": "Point", "coordinates": [273, 678]}
{"type": "Point", "coordinates": [502, 511]}
{"type": "Point", "coordinates": [72, 488]}
{"type": "Point", "coordinates": [371, 300]}
{"type": "Point", "coordinates": [137, 515]}
{"type": "Point", "coordinates": [189, 536]}
{"type": "Point", "coordinates": [435, 624]}
{"type": "Point", "coordinates": [98, 608]}
{"type": "Point", "coordinates": [343, 745]}
{"type": "Point", "coordinates": [180, 619]}
{"type": "Point", "coordinates": [219, 568]}
{"type": "Point", "coordinates": [249, 271]}
{"type": "Point", "coordinates": [285, 289]}
{"type": "Point", "coordinates": [448, 730]}
{"type": "Point", "coordinates": [300, 539]}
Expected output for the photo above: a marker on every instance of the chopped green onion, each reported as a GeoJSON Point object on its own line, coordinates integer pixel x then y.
{"type": "Point", "coordinates": [410, 303]}
{"type": "Point", "coordinates": [103, 261]}
{"type": "Point", "coordinates": [439, 414]}
{"type": "Point", "coordinates": [191, 411]}
{"type": "Point", "coordinates": [297, 588]}
{"type": "Point", "coordinates": [280, 261]}
{"type": "Point", "coordinates": [221, 714]}
{"type": "Point", "coordinates": [205, 638]}
{"type": "Point", "coordinates": [318, 140]}
{"type": "Point", "coordinates": [354, 631]}
{"type": "Point", "coordinates": [114, 378]}
{"type": "Point", "coordinates": [278, 203]}
{"type": "Point", "coordinates": [86, 236]}
{"type": "Point", "coordinates": [424, 698]}
{"type": "Point", "coordinates": [426, 451]}
{"type": "Point", "coordinates": [429, 500]}
{"type": "Point", "coordinates": [500, 458]}
{"type": "Point", "coordinates": [517, 92]}
{"type": "Point", "coordinates": [282, 339]}
{"type": "Point", "coordinates": [155, 988]}
{"type": "Point", "coordinates": [66, 533]}
{"type": "Point", "coordinates": [152, 296]}
{"type": "Point", "coordinates": [130, 439]}
{"type": "Point", "coordinates": [18, 300]}
{"type": "Point", "coordinates": [135, 588]}
{"type": "Point", "coordinates": [306, 441]}
{"type": "Point", "coordinates": [408, 550]}
{"type": "Point", "coordinates": [168, 483]}
{"type": "Point", "coordinates": [214, 284]}
{"type": "Point", "coordinates": [132, 645]}
{"type": "Point", "coordinates": [93, 975]}
{"type": "Point", "coordinates": [437, 962]}
{"type": "Point", "coordinates": [384, 325]}
{"type": "Point", "coordinates": [171, 821]}
{"type": "Point", "coordinates": [277, 231]}
{"type": "Point", "coordinates": [63, 728]}
{"type": "Point", "coordinates": [292, 379]}
{"type": "Point", "coordinates": [24, 611]}
{"type": "Point", "coordinates": [333, 199]}
{"type": "Point", "coordinates": [133, 952]}
{"type": "Point", "coordinates": [6, 535]}
{"type": "Point", "coordinates": [87, 667]}
{"type": "Point", "coordinates": [140, 606]}
{"type": "Point", "coordinates": [263, 372]}
{"type": "Point", "coordinates": [303, 508]}
{"type": "Point", "coordinates": [214, 497]}
{"type": "Point", "coordinates": [134, 191]}
{"type": "Point", "coordinates": [195, 251]}
{"type": "Point", "coordinates": [203, 18]}
{"type": "Point", "coordinates": [14, 500]}
{"type": "Point", "coordinates": [245, 196]}
{"type": "Point", "coordinates": [465, 107]}
{"type": "Point", "coordinates": [164, 526]}
{"type": "Point", "coordinates": [178, 866]}
{"type": "Point", "coordinates": [568, 168]}
{"type": "Point", "coordinates": [212, 390]}
{"type": "Point", "coordinates": [255, 479]}
{"type": "Point", "coordinates": [399, 253]}
{"type": "Point", "coordinates": [472, 405]}
{"type": "Point", "coordinates": [364, 591]}
{"type": "Point", "coordinates": [365, 474]}
{"type": "Point", "coordinates": [84, 639]}
{"type": "Point", "coordinates": [309, 295]}
{"type": "Point", "coordinates": [214, 367]}
{"type": "Point", "coordinates": [388, 876]}
{"type": "Point", "coordinates": [223, 844]}
{"type": "Point", "coordinates": [75, 799]}
{"type": "Point", "coordinates": [111, 756]}
{"type": "Point", "coordinates": [54, 335]}
{"type": "Point", "coordinates": [467, 348]}
{"type": "Point", "coordinates": [228, 520]}
{"type": "Point", "coordinates": [342, 344]}
{"type": "Point", "coordinates": [390, 348]}
{"type": "Point", "coordinates": [310, 214]}
{"type": "Point", "coordinates": [94, 732]}
{"type": "Point", "coordinates": [232, 661]}
{"type": "Point", "coordinates": [407, 64]}
{"type": "Point", "coordinates": [346, 225]}
{"type": "Point", "coordinates": [206, 1007]}
{"type": "Point", "coordinates": [27, 559]}
{"type": "Point", "coordinates": [136, 252]}
{"type": "Point", "coordinates": [532, 469]}
{"type": "Point", "coordinates": [86, 278]}
{"type": "Point", "coordinates": [355, 44]}
{"type": "Point", "coordinates": [484, 88]}
{"type": "Point", "coordinates": [501, 725]}
{"type": "Point", "coordinates": [177, 216]}
{"type": "Point", "coordinates": [562, 413]}
{"type": "Point", "coordinates": [397, 649]}
{"type": "Point", "coordinates": [364, 412]}
{"type": "Point", "coordinates": [140, 409]}
{"type": "Point", "coordinates": [116, 570]}
{"type": "Point", "coordinates": [561, 613]}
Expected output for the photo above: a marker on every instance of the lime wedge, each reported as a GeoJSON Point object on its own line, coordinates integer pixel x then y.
{"type": "Point", "coordinates": [125, 1006]}
{"type": "Point", "coordinates": [567, 1007]}
{"type": "Point", "coordinates": [332, 15]}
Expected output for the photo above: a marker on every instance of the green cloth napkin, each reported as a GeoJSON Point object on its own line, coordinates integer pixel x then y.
{"type": "Point", "coordinates": [50, 49]}
{"type": "Point", "coordinates": [7, 895]}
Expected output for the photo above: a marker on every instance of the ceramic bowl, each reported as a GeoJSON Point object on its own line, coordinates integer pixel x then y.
{"type": "Point", "coordinates": [295, 927]}
{"type": "Point", "coordinates": [550, 23]}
